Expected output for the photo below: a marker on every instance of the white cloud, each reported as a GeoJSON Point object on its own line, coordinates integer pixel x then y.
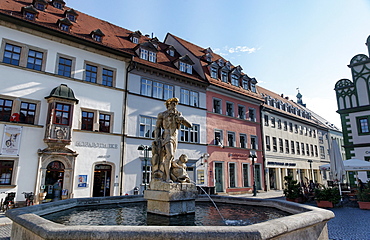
{"type": "Point", "coordinates": [231, 50]}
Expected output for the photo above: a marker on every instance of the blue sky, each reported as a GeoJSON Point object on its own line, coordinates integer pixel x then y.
{"type": "Point", "coordinates": [284, 44]}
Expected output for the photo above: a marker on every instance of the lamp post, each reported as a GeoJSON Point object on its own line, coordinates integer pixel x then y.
{"type": "Point", "coordinates": [252, 154]}
{"type": "Point", "coordinates": [146, 150]}
{"type": "Point", "coordinates": [310, 161]}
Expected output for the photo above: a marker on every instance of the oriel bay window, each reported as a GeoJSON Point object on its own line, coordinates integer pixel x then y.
{"type": "Point", "coordinates": [62, 113]}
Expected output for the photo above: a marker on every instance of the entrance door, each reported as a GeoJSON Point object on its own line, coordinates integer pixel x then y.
{"type": "Point", "coordinates": [102, 180]}
{"type": "Point", "coordinates": [257, 172]}
{"type": "Point", "coordinates": [218, 177]}
{"type": "Point", "coordinates": [54, 180]}
{"type": "Point", "coordinates": [272, 178]}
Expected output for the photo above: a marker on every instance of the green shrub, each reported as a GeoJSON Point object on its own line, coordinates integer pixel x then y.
{"type": "Point", "coordinates": [292, 188]}
{"type": "Point", "coordinates": [327, 194]}
{"type": "Point", "coordinates": [364, 195]}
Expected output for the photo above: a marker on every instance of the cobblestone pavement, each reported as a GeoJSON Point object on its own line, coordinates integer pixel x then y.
{"type": "Point", "coordinates": [350, 222]}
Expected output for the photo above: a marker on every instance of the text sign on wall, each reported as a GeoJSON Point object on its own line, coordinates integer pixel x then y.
{"type": "Point", "coordinates": [96, 145]}
{"type": "Point", "coordinates": [11, 140]}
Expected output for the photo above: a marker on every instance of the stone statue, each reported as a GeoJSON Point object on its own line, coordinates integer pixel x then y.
{"type": "Point", "coordinates": [165, 144]}
{"type": "Point", "coordinates": [178, 170]}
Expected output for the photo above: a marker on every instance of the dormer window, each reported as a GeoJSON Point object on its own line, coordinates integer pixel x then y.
{"type": "Point", "coordinates": [224, 76]}
{"type": "Point", "coordinates": [253, 83]}
{"type": "Point", "coordinates": [40, 6]}
{"type": "Point", "coordinates": [30, 12]}
{"type": "Point", "coordinates": [245, 83]}
{"type": "Point", "coordinates": [221, 62]}
{"type": "Point", "coordinates": [71, 14]}
{"type": "Point", "coordinates": [97, 35]}
{"type": "Point", "coordinates": [235, 80]}
{"type": "Point", "coordinates": [58, 4]}
{"type": "Point", "coordinates": [185, 64]}
{"type": "Point", "coordinates": [184, 67]}
{"type": "Point", "coordinates": [152, 57]}
{"type": "Point", "coordinates": [214, 72]}
{"type": "Point", "coordinates": [64, 24]}
{"type": "Point", "coordinates": [144, 54]}
{"type": "Point", "coordinates": [135, 40]}
{"type": "Point", "coordinates": [171, 52]}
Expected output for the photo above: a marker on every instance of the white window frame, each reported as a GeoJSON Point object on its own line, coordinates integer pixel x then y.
{"type": "Point", "coordinates": [220, 133]}
{"type": "Point", "coordinates": [150, 126]}
{"type": "Point", "coordinates": [243, 109]}
{"type": "Point", "coordinates": [230, 143]}
{"type": "Point", "coordinates": [254, 114]}
{"type": "Point", "coordinates": [230, 109]}
{"type": "Point", "coordinates": [256, 142]}
{"type": "Point", "coordinates": [152, 57]}
{"type": "Point", "coordinates": [241, 143]}
{"type": "Point", "coordinates": [220, 105]}
{"type": "Point", "coordinates": [235, 80]}
{"type": "Point", "coordinates": [144, 54]}
{"type": "Point", "coordinates": [192, 134]}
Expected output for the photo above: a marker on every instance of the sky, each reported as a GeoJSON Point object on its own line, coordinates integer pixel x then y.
{"type": "Point", "coordinates": [285, 44]}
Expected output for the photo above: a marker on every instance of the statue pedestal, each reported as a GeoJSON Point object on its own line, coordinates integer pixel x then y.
{"type": "Point", "coordinates": [170, 199]}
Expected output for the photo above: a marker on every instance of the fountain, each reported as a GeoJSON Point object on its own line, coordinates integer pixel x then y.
{"type": "Point", "coordinates": [171, 193]}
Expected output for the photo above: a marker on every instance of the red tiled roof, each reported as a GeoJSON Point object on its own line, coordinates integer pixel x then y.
{"type": "Point", "coordinates": [115, 37]}
{"type": "Point", "coordinates": [199, 53]}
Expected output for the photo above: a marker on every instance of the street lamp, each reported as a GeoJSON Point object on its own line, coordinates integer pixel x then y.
{"type": "Point", "coordinates": [146, 150]}
{"type": "Point", "coordinates": [310, 161]}
{"type": "Point", "coordinates": [252, 154]}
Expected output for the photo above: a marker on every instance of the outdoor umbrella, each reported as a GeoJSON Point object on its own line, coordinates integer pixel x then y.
{"type": "Point", "coordinates": [336, 164]}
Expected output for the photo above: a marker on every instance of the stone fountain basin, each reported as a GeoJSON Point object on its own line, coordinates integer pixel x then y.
{"type": "Point", "coordinates": [306, 222]}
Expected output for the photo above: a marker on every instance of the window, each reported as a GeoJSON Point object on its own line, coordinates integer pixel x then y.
{"type": "Point", "coordinates": [167, 91]}
{"type": "Point", "coordinates": [314, 133]}
{"type": "Point", "coordinates": [188, 97]}
{"type": "Point", "coordinates": [268, 144]}
{"type": "Point", "coordinates": [104, 122]}
{"type": "Point", "coordinates": [307, 150]}
{"type": "Point", "coordinates": [241, 112]}
{"type": "Point", "coordinates": [107, 77]}
{"type": "Point", "coordinates": [290, 127]}
{"type": "Point", "coordinates": [224, 76]}
{"type": "Point", "coordinates": [144, 54]}
{"type": "Point", "coordinates": [217, 106]}
{"type": "Point", "coordinates": [184, 67]}
{"type": "Point", "coordinates": [146, 87]}
{"type": "Point", "coordinates": [274, 144]}
{"type": "Point", "coordinates": [272, 122]}
{"type": "Point", "coordinates": [245, 175]}
{"type": "Point", "coordinates": [295, 128]}
{"type": "Point", "coordinates": [64, 27]}
{"type": "Point", "coordinates": [311, 147]}
{"type": "Point", "coordinates": [298, 148]}
{"type": "Point", "coordinates": [292, 146]}
{"type": "Point", "coordinates": [6, 172]}
{"type": "Point", "coordinates": [30, 16]}
{"type": "Point", "coordinates": [58, 5]}
{"type": "Point", "coordinates": [34, 60]}
{"type": "Point", "coordinates": [12, 54]}
{"type": "Point", "coordinates": [27, 112]}
{"type": "Point", "coordinates": [218, 137]}
{"type": "Point", "coordinates": [302, 148]}
{"type": "Point", "coordinates": [152, 57]}
{"type": "Point", "coordinates": [254, 143]}
{"type": "Point", "coordinates": [243, 140]}
{"type": "Point", "coordinates": [87, 121]}
{"type": "Point", "coordinates": [230, 109]}
{"type": "Point", "coordinates": [62, 114]}
{"type": "Point", "coordinates": [91, 73]}
{"type": "Point", "coordinates": [252, 115]}
{"type": "Point", "coordinates": [214, 72]}
{"type": "Point", "coordinates": [281, 146]}
{"type": "Point", "coordinates": [147, 126]}
{"type": "Point", "coordinates": [40, 6]}
{"type": "Point", "coordinates": [301, 130]}
{"type": "Point", "coordinates": [155, 89]}
{"type": "Point", "coordinates": [286, 146]}
{"type": "Point", "coordinates": [253, 87]}
{"type": "Point", "coordinates": [235, 80]}
{"type": "Point", "coordinates": [232, 174]}
{"type": "Point", "coordinates": [171, 52]}
{"type": "Point", "coordinates": [322, 152]}
{"type": "Point", "coordinates": [5, 109]}
{"type": "Point", "coordinates": [136, 41]}
{"type": "Point", "coordinates": [316, 153]}
{"type": "Point", "coordinates": [65, 67]}
{"type": "Point", "coordinates": [189, 134]}
{"type": "Point", "coordinates": [279, 123]}
{"type": "Point", "coordinates": [363, 125]}
{"type": "Point", "coordinates": [146, 174]}
{"type": "Point", "coordinates": [97, 38]}
{"type": "Point", "coordinates": [266, 118]}
{"type": "Point", "coordinates": [71, 17]}
{"type": "Point", "coordinates": [245, 84]}
{"type": "Point", "coordinates": [231, 139]}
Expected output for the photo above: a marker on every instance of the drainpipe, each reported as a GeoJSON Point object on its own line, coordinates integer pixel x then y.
{"type": "Point", "coordinates": [131, 66]}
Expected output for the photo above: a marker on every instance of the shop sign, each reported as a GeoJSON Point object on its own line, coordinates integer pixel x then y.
{"type": "Point", "coordinates": [282, 164]}
{"type": "Point", "coordinates": [11, 140]}
{"type": "Point", "coordinates": [96, 145]}
{"type": "Point", "coordinates": [82, 181]}
{"type": "Point", "coordinates": [238, 156]}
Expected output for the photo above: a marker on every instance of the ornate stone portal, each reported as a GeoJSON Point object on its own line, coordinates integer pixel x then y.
{"type": "Point", "coordinates": [170, 190]}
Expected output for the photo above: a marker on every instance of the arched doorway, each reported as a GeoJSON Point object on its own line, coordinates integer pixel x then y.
{"type": "Point", "coordinates": [102, 180]}
{"type": "Point", "coordinates": [54, 180]}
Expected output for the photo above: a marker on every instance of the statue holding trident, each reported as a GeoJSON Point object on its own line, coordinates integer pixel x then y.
{"type": "Point", "coordinates": [165, 143]}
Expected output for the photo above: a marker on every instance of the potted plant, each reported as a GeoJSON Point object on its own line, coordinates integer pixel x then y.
{"type": "Point", "coordinates": [293, 191]}
{"type": "Point", "coordinates": [327, 197]}
{"type": "Point", "coordinates": [363, 197]}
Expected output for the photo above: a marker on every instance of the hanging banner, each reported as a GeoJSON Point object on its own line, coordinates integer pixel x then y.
{"type": "Point", "coordinates": [11, 140]}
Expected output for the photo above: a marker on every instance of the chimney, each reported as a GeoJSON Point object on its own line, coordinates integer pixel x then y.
{"type": "Point", "coordinates": [282, 95]}
{"type": "Point", "coordinates": [287, 98]}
